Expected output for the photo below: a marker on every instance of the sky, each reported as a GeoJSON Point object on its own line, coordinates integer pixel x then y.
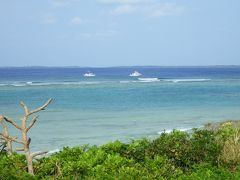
{"type": "Point", "coordinates": [103, 33]}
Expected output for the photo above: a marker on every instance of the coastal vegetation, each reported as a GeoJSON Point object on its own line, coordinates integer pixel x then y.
{"type": "Point", "coordinates": [24, 128]}
{"type": "Point", "coordinates": [212, 152]}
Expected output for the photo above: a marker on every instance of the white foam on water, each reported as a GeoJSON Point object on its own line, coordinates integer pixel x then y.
{"type": "Point", "coordinates": [40, 84]}
{"type": "Point", "coordinates": [53, 151]}
{"type": "Point", "coordinates": [18, 84]}
{"type": "Point", "coordinates": [185, 80]}
{"type": "Point", "coordinates": [148, 79]}
{"type": "Point", "coordinates": [141, 80]}
{"type": "Point", "coordinates": [29, 83]}
{"type": "Point", "coordinates": [171, 130]}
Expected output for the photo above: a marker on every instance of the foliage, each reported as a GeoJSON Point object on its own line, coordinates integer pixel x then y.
{"type": "Point", "coordinates": [208, 172]}
{"type": "Point", "coordinates": [175, 146]}
{"type": "Point", "coordinates": [230, 155]}
{"type": "Point", "coordinates": [205, 147]}
{"type": "Point", "coordinates": [13, 167]}
{"type": "Point", "coordinates": [201, 154]}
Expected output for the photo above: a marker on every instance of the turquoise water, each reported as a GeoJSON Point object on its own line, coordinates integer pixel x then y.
{"type": "Point", "coordinates": [113, 105]}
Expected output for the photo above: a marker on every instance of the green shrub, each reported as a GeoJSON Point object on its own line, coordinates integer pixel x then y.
{"type": "Point", "coordinates": [175, 145]}
{"type": "Point", "coordinates": [161, 166]}
{"type": "Point", "coordinates": [137, 150]}
{"type": "Point", "coordinates": [13, 167]}
{"type": "Point", "coordinates": [51, 166]}
{"type": "Point", "coordinates": [230, 154]}
{"type": "Point", "coordinates": [202, 154]}
{"type": "Point", "coordinates": [115, 147]}
{"type": "Point", "coordinates": [204, 147]}
{"type": "Point", "coordinates": [207, 172]}
{"type": "Point", "coordinates": [76, 162]}
{"type": "Point", "coordinates": [111, 166]}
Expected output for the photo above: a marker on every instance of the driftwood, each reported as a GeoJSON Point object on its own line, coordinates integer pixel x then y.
{"type": "Point", "coordinates": [24, 128]}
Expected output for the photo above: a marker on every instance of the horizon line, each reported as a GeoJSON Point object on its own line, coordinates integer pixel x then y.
{"type": "Point", "coordinates": [133, 66]}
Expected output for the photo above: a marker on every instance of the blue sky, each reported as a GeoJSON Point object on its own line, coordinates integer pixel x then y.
{"type": "Point", "coordinates": [119, 32]}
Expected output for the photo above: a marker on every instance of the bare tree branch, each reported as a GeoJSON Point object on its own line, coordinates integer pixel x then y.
{"type": "Point", "coordinates": [24, 128]}
{"type": "Point", "coordinates": [11, 139]}
{"type": "Point", "coordinates": [19, 149]}
{"type": "Point", "coordinates": [32, 123]}
{"type": "Point", "coordinates": [25, 108]}
{"type": "Point", "coordinates": [12, 122]}
{"type": "Point", "coordinates": [59, 170]}
{"type": "Point", "coordinates": [40, 108]}
{"type": "Point", "coordinates": [5, 133]}
{"type": "Point", "coordinates": [38, 153]}
{"type": "Point", "coordinates": [28, 141]}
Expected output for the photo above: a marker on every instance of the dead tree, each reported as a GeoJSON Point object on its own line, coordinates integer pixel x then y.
{"type": "Point", "coordinates": [4, 136]}
{"type": "Point", "coordinates": [24, 128]}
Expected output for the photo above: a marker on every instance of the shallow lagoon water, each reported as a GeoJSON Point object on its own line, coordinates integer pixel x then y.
{"type": "Point", "coordinates": [114, 106]}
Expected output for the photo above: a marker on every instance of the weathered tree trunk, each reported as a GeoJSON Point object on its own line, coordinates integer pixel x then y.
{"type": "Point", "coordinates": [26, 145]}
{"type": "Point", "coordinates": [24, 128]}
{"type": "Point", "coordinates": [6, 134]}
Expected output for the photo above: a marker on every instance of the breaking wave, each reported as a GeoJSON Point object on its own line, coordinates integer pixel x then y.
{"type": "Point", "coordinates": [148, 79]}
{"type": "Point", "coordinates": [29, 83]}
{"type": "Point", "coordinates": [139, 80]}
{"type": "Point", "coordinates": [185, 80]}
{"type": "Point", "coordinates": [170, 130]}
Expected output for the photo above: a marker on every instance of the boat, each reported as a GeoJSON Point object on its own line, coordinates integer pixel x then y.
{"type": "Point", "coordinates": [89, 74]}
{"type": "Point", "coordinates": [135, 74]}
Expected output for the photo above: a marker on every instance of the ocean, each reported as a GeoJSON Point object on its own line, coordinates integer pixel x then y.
{"type": "Point", "coordinates": [114, 106]}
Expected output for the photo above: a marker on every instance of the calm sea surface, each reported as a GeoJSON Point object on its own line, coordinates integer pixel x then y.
{"type": "Point", "coordinates": [113, 106]}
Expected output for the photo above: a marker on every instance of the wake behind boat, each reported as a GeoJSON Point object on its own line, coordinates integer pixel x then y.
{"type": "Point", "coordinates": [135, 74]}
{"type": "Point", "coordinates": [89, 74]}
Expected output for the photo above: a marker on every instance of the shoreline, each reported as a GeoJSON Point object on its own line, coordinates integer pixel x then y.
{"type": "Point", "coordinates": [200, 154]}
{"type": "Point", "coordinates": [208, 126]}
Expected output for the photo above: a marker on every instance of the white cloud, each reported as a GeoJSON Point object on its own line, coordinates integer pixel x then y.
{"type": "Point", "coordinates": [150, 8]}
{"type": "Point", "coordinates": [167, 9]}
{"type": "Point", "coordinates": [76, 21]}
{"type": "Point", "coordinates": [123, 9]}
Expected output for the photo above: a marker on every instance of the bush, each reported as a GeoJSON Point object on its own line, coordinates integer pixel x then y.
{"type": "Point", "coordinates": [137, 150]}
{"type": "Point", "coordinates": [74, 162]}
{"type": "Point", "coordinates": [202, 154]}
{"type": "Point", "coordinates": [116, 147]}
{"type": "Point", "coordinates": [13, 167]}
{"type": "Point", "coordinates": [205, 147]}
{"type": "Point", "coordinates": [208, 172]}
{"type": "Point", "coordinates": [175, 146]}
{"type": "Point", "coordinates": [228, 137]}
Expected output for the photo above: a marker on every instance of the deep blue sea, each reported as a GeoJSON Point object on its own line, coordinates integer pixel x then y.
{"type": "Point", "coordinates": [112, 105]}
